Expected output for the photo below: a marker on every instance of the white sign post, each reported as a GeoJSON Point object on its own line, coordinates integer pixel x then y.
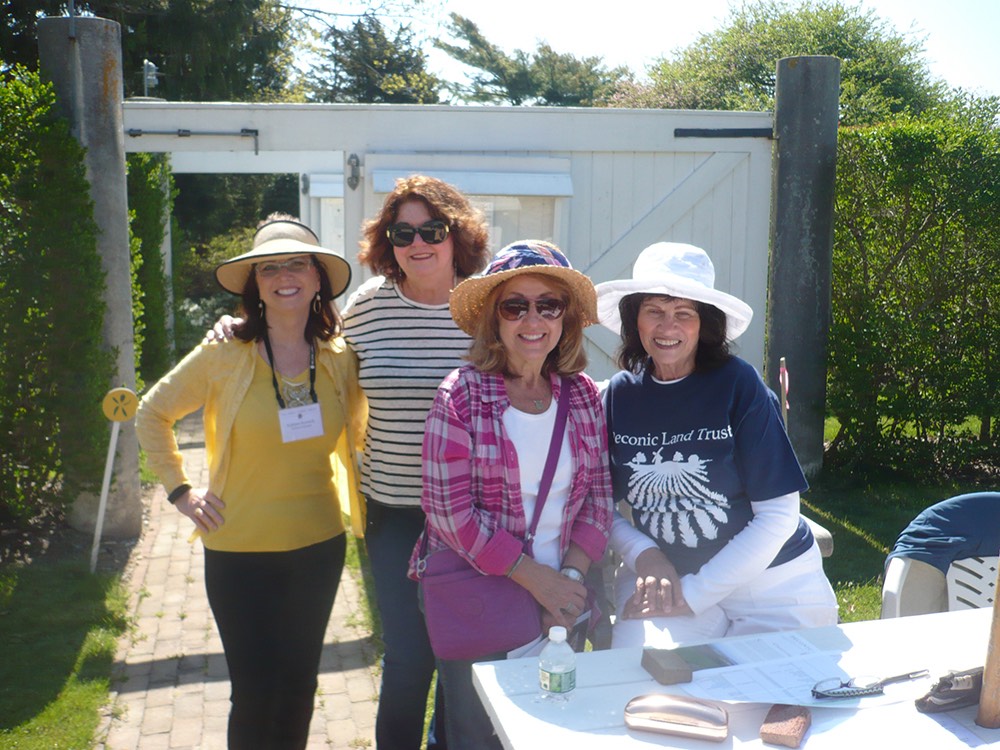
{"type": "Point", "coordinates": [119, 406]}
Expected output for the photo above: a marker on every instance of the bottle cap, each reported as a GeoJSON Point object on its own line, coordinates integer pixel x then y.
{"type": "Point", "coordinates": [557, 634]}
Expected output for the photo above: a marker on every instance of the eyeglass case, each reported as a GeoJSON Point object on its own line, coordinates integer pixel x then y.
{"type": "Point", "coordinates": [677, 715]}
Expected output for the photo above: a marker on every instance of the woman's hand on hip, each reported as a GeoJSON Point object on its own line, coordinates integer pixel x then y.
{"type": "Point", "coordinates": [202, 507]}
{"type": "Point", "coordinates": [562, 598]}
{"type": "Point", "coordinates": [657, 588]}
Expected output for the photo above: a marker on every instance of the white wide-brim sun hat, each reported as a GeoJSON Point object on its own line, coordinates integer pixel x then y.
{"type": "Point", "coordinates": [673, 269]}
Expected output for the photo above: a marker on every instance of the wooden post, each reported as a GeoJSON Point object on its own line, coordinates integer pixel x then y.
{"type": "Point", "coordinates": [989, 699]}
{"type": "Point", "coordinates": [81, 55]}
{"type": "Point", "coordinates": [806, 111]}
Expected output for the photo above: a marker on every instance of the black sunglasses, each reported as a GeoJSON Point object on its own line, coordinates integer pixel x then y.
{"type": "Point", "coordinates": [433, 232]}
{"type": "Point", "coordinates": [515, 309]}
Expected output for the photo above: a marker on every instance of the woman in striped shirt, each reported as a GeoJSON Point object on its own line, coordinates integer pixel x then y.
{"type": "Point", "coordinates": [425, 240]}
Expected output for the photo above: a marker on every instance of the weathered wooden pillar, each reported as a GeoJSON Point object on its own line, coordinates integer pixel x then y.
{"type": "Point", "coordinates": [807, 94]}
{"type": "Point", "coordinates": [989, 700]}
{"type": "Point", "coordinates": [82, 58]}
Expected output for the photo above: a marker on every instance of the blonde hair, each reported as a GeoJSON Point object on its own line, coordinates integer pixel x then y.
{"type": "Point", "coordinates": [487, 351]}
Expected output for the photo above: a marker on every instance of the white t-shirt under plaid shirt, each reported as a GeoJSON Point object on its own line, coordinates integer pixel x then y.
{"type": "Point", "coordinates": [405, 349]}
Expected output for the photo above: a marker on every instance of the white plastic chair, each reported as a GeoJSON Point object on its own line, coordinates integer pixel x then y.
{"type": "Point", "coordinates": [972, 583]}
{"type": "Point", "coordinates": [961, 532]}
{"type": "Point", "coordinates": [913, 587]}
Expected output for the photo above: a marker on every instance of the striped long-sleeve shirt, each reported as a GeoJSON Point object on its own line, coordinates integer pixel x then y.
{"type": "Point", "coordinates": [404, 349]}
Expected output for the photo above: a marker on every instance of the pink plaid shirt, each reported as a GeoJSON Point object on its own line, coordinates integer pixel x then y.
{"type": "Point", "coordinates": [472, 483]}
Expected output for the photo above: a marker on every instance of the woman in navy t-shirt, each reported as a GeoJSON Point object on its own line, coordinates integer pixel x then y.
{"type": "Point", "coordinates": [699, 453]}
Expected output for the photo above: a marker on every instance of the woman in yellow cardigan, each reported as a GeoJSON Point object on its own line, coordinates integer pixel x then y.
{"type": "Point", "coordinates": [282, 413]}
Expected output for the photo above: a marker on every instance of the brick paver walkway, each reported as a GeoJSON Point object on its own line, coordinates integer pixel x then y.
{"type": "Point", "coordinates": [173, 691]}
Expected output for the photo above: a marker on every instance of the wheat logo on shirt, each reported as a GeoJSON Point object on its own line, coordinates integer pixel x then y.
{"type": "Point", "coordinates": [672, 498]}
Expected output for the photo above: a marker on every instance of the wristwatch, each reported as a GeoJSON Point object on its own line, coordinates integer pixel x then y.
{"type": "Point", "coordinates": [574, 574]}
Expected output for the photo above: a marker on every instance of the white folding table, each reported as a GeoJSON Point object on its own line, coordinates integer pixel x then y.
{"type": "Point", "coordinates": [593, 717]}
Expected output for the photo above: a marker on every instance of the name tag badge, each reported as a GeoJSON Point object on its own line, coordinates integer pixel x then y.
{"type": "Point", "coordinates": [300, 423]}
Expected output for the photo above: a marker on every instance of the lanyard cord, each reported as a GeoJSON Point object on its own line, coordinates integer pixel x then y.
{"type": "Point", "coordinates": [274, 380]}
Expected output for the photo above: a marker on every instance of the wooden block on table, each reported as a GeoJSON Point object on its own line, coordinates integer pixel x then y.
{"type": "Point", "coordinates": [666, 666]}
{"type": "Point", "coordinates": [785, 725]}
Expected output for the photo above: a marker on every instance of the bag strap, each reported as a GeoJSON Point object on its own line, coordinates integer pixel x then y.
{"type": "Point", "coordinates": [555, 447]}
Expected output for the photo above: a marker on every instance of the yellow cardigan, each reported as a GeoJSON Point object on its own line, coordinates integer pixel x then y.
{"type": "Point", "coordinates": [216, 377]}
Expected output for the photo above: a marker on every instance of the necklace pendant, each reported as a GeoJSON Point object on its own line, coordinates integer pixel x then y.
{"type": "Point", "coordinates": [539, 403]}
{"type": "Point", "coordinates": [296, 394]}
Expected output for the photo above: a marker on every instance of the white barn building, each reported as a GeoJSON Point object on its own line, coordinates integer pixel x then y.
{"type": "Point", "coordinates": [600, 183]}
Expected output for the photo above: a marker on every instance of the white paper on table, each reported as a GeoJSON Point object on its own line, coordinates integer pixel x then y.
{"type": "Point", "coordinates": [780, 668]}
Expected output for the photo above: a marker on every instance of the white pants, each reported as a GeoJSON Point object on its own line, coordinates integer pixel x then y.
{"type": "Point", "coordinates": [793, 595]}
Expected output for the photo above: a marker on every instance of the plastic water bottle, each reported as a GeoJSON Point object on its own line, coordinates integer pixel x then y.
{"type": "Point", "coordinates": [557, 666]}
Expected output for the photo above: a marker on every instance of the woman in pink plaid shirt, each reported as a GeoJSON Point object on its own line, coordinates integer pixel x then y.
{"type": "Point", "coordinates": [486, 442]}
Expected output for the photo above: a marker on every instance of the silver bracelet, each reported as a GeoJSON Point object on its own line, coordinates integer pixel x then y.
{"type": "Point", "coordinates": [574, 574]}
{"type": "Point", "coordinates": [514, 566]}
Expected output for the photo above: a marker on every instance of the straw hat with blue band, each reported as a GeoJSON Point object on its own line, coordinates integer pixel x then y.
{"type": "Point", "coordinates": [278, 239]}
{"type": "Point", "coordinates": [673, 269]}
{"type": "Point", "coordinates": [519, 258]}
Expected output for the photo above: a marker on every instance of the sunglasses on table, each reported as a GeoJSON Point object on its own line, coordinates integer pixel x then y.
{"type": "Point", "coordinates": [273, 268]}
{"type": "Point", "coordinates": [856, 687]}
{"type": "Point", "coordinates": [432, 232]}
{"type": "Point", "coordinates": [515, 309]}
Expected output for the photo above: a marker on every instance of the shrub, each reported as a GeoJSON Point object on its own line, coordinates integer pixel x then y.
{"type": "Point", "coordinates": [916, 296]}
{"type": "Point", "coordinates": [53, 371]}
{"type": "Point", "coordinates": [150, 189]}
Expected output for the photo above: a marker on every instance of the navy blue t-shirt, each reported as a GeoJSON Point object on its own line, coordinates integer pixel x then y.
{"type": "Point", "coordinates": [953, 529]}
{"type": "Point", "coordinates": [689, 458]}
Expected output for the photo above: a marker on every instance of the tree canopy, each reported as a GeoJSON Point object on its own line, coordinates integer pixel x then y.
{"type": "Point", "coordinates": [365, 63]}
{"type": "Point", "coordinates": [205, 50]}
{"type": "Point", "coordinates": [883, 72]}
{"type": "Point", "coordinates": [19, 31]}
{"type": "Point", "coordinates": [543, 77]}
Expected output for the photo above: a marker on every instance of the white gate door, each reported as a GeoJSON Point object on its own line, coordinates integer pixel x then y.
{"type": "Point", "coordinates": [717, 200]}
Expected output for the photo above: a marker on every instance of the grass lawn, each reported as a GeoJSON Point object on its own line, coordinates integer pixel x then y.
{"type": "Point", "coordinates": [59, 626]}
{"type": "Point", "coordinates": [865, 522]}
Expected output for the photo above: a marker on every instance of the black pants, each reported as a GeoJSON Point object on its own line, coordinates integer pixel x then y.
{"type": "Point", "coordinates": [272, 609]}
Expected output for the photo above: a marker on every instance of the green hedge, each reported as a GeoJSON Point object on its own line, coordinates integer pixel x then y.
{"type": "Point", "coordinates": [914, 374]}
{"type": "Point", "coordinates": [53, 370]}
{"type": "Point", "coordinates": [150, 189]}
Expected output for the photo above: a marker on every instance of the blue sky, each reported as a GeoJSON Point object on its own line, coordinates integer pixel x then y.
{"type": "Point", "coordinates": [961, 37]}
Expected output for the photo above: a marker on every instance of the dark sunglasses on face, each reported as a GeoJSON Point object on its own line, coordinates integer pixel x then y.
{"type": "Point", "coordinates": [273, 268]}
{"type": "Point", "coordinates": [432, 232]}
{"type": "Point", "coordinates": [550, 308]}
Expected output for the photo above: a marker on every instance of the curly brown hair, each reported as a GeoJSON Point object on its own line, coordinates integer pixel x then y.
{"type": "Point", "coordinates": [488, 354]}
{"type": "Point", "coordinates": [468, 230]}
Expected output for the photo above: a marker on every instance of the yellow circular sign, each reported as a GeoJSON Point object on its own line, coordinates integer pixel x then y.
{"type": "Point", "coordinates": [120, 404]}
